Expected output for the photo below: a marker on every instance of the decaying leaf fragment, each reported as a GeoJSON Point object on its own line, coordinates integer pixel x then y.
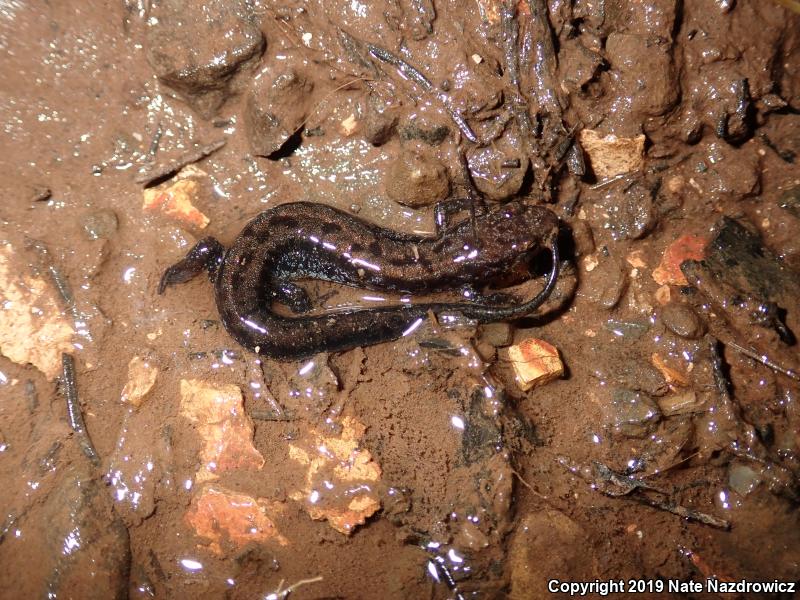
{"type": "Point", "coordinates": [339, 477]}
{"type": "Point", "coordinates": [218, 414]}
{"type": "Point", "coordinates": [33, 328]}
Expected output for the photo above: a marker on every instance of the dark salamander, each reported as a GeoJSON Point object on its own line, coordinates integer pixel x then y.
{"type": "Point", "coordinates": [305, 240]}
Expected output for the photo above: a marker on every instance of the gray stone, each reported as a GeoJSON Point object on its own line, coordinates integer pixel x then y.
{"type": "Point", "coordinates": [100, 224]}
{"type": "Point", "coordinates": [681, 320]}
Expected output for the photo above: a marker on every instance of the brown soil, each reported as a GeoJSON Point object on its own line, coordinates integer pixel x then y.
{"type": "Point", "coordinates": [668, 451]}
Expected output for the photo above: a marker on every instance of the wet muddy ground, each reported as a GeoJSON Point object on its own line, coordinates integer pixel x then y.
{"type": "Point", "coordinates": [144, 453]}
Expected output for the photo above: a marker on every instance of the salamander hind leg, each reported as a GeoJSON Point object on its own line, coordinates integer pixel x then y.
{"type": "Point", "coordinates": [474, 295]}
{"type": "Point", "coordinates": [293, 296]}
{"type": "Point", "coordinates": [206, 255]}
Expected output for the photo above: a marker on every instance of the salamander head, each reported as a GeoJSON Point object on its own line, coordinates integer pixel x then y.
{"type": "Point", "coordinates": [518, 227]}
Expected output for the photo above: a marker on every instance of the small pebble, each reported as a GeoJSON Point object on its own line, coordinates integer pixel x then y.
{"type": "Point", "coordinates": [380, 121]}
{"type": "Point", "coordinates": [607, 281]}
{"type": "Point", "coordinates": [583, 238]}
{"type": "Point", "coordinates": [682, 320]}
{"type": "Point", "coordinates": [742, 479]}
{"type": "Point", "coordinates": [486, 351]}
{"type": "Point", "coordinates": [100, 224]}
{"type": "Point", "coordinates": [632, 413]}
{"type": "Point", "coordinates": [494, 182]}
{"type": "Point", "coordinates": [535, 363]}
{"type": "Point", "coordinates": [496, 334]}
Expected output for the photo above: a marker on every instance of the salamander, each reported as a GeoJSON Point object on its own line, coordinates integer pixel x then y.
{"type": "Point", "coordinates": [305, 240]}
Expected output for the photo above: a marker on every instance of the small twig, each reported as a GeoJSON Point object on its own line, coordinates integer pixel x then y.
{"type": "Point", "coordinates": [528, 485]}
{"type": "Point", "coordinates": [325, 98]}
{"type": "Point", "coordinates": [412, 73]}
{"type": "Point", "coordinates": [545, 63]}
{"type": "Point", "coordinates": [720, 381]}
{"type": "Point", "coordinates": [441, 570]}
{"type": "Point", "coordinates": [673, 465]}
{"type": "Point", "coordinates": [31, 395]}
{"type": "Point", "coordinates": [10, 521]}
{"type": "Point", "coordinates": [356, 52]}
{"type": "Point", "coordinates": [161, 171]}
{"type": "Point", "coordinates": [284, 593]}
{"type": "Point", "coordinates": [271, 415]}
{"type": "Point", "coordinates": [686, 513]}
{"type": "Point", "coordinates": [741, 444]}
{"type": "Point", "coordinates": [74, 414]}
{"type": "Point", "coordinates": [625, 483]}
{"type": "Point", "coordinates": [609, 181]}
{"type": "Point", "coordinates": [765, 360]}
{"type": "Point", "coordinates": [61, 283]}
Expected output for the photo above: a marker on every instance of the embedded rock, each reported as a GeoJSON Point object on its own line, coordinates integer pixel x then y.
{"type": "Point", "coordinates": [198, 47]}
{"type": "Point", "coordinates": [277, 107]}
{"type": "Point", "coordinates": [416, 179]}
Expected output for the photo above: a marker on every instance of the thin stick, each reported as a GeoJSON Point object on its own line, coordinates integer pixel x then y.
{"type": "Point", "coordinates": [417, 77]}
{"type": "Point", "coordinates": [59, 281]}
{"type": "Point", "coordinates": [156, 172]}
{"type": "Point", "coordinates": [686, 513]}
{"type": "Point", "coordinates": [325, 98]}
{"type": "Point", "coordinates": [765, 360]}
{"type": "Point", "coordinates": [74, 414]}
{"type": "Point", "coordinates": [281, 593]}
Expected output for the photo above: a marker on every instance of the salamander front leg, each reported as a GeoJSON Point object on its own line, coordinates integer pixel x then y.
{"type": "Point", "coordinates": [206, 255]}
{"type": "Point", "coordinates": [445, 209]}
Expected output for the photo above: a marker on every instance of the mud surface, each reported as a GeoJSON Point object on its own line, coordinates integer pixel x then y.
{"type": "Point", "coordinates": [178, 465]}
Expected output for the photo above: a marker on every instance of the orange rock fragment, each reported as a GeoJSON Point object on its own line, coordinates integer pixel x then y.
{"type": "Point", "coordinates": [218, 514]}
{"type": "Point", "coordinates": [704, 568]}
{"type": "Point", "coordinates": [672, 376]}
{"type": "Point", "coordinates": [141, 377]}
{"type": "Point", "coordinates": [636, 259]}
{"type": "Point", "coordinates": [218, 414]}
{"type": "Point", "coordinates": [535, 363]}
{"type": "Point", "coordinates": [686, 247]}
{"type": "Point", "coordinates": [338, 477]}
{"type": "Point", "coordinates": [490, 9]}
{"type": "Point", "coordinates": [33, 327]}
{"type": "Point", "coordinates": [175, 201]}
{"type": "Point", "coordinates": [663, 295]}
{"type": "Point", "coordinates": [348, 126]}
